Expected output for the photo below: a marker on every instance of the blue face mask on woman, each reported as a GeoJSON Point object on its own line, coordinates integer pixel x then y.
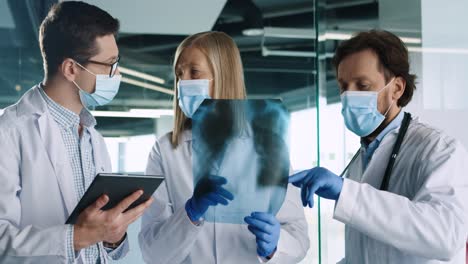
{"type": "Point", "coordinates": [360, 111]}
{"type": "Point", "coordinates": [106, 89]}
{"type": "Point", "coordinates": [191, 94]}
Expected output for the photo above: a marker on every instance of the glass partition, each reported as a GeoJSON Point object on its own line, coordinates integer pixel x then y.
{"type": "Point", "coordinates": [286, 49]}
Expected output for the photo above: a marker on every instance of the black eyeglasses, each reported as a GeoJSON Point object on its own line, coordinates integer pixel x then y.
{"type": "Point", "coordinates": [113, 65]}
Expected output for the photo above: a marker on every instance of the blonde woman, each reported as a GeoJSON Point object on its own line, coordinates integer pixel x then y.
{"type": "Point", "coordinates": [173, 230]}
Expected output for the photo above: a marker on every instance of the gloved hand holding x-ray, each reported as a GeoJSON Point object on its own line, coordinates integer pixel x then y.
{"type": "Point", "coordinates": [266, 229]}
{"type": "Point", "coordinates": [244, 142]}
{"type": "Point", "coordinates": [208, 192]}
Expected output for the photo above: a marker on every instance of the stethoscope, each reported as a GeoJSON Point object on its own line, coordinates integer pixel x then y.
{"type": "Point", "coordinates": [396, 149]}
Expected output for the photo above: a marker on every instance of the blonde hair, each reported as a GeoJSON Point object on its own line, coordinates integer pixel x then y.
{"type": "Point", "coordinates": [226, 65]}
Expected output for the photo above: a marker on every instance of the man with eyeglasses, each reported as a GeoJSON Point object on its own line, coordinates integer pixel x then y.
{"type": "Point", "coordinates": [52, 152]}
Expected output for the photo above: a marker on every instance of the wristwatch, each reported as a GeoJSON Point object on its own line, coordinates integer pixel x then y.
{"type": "Point", "coordinates": [114, 245]}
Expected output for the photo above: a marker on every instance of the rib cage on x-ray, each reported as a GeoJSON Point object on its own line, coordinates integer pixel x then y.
{"type": "Point", "coordinates": [246, 142]}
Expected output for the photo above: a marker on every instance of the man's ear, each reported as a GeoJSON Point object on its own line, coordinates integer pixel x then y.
{"type": "Point", "coordinates": [399, 88]}
{"type": "Point", "coordinates": [69, 69]}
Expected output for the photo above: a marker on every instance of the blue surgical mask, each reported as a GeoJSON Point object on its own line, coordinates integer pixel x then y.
{"type": "Point", "coordinates": [106, 89]}
{"type": "Point", "coordinates": [360, 111]}
{"type": "Point", "coordinates": [191, 94]}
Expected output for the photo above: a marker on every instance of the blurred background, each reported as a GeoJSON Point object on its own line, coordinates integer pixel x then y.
{"type": "Point", "coordinates": [286, 48]}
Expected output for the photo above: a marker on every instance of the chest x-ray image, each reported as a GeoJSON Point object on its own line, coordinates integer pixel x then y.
{"type": "Point", "coordinates": [246, 142]}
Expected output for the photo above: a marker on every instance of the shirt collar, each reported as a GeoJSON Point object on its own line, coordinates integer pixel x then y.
{"type": "Point", "coordinates": [87, 119]}
{"type": "Point", "coordinates": [64, 117]}
{"type": "Point", "coordinates": [396, 122]}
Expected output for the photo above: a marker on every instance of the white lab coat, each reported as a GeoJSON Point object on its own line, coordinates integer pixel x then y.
{"type": "Point", "coordinates": [422, 218]}
{"type": "Point", "coordinates": [168, 236]}
{"type": "Point", "coordinates": [37, 192]}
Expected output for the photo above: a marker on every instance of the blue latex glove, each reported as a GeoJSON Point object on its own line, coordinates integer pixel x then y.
{"type": "Point", "coordinates": [318, 180]}
{"type": "Point", "coordinates": [208, 192]}
{"type": "Point", "coordinates": [266, 229]}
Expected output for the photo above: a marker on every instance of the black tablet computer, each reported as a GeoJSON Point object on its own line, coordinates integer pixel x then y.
{"type": "Point", "coordinates": [117, 187]}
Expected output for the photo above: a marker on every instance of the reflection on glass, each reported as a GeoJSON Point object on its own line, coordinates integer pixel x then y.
{"type": "Point", "coordinates": [244, 141]}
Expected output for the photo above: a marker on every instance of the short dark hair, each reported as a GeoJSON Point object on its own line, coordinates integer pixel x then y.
{"type": "Point", "coordinates": [70, 30]}
{"type": "Point", "coordinates": [392, 54]}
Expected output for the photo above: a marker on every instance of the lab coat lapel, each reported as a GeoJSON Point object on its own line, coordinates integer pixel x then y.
{"type": "Point", "coordinates": [356, 170]}
{"type": "Point", "coordinates": [55, 148]}
{"type": "Point", "coordinates": [32, 103]}
{"type": "Point", "coordinates": [376, 167]}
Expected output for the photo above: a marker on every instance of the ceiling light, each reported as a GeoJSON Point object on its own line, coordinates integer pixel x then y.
{"type": "Point", "coordinates": [335, 36]}
{"type": "Point", "coordinates": [330, 35]}
{"type": "Point", "coordinates": [155, 112]}
{"type": "Point", "coordinates": [252, 32]}
{"type": "Point", "coordinates": [300, 33]}
{"type": "Point", "coordinates": [148, 86]}
{"type": "Point", "coordinates": [411, 40]}
{"type": "Point", "coordinates": [438, 50]}
{"type": "Point", "coordinates": [134, 113]}
{"type": "Point", "coordinates": [141, 75]}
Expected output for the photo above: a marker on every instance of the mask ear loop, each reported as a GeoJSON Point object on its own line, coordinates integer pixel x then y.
{"type": "Point", "coordinates": [84, 68]}
{"type": "Point", "coordinates": [393, 101]}
{"type": "Point", "coordinates": [387, 84]}
{"type": "Point", "coordinates": [77, 86]}
{"type": "Point", "coordinates": [388, 110]}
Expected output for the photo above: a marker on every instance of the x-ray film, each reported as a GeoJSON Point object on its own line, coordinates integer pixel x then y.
{"type": "Point", "coordinates": [246, 142]}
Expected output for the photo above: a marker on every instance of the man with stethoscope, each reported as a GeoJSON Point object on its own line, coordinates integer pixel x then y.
{"type": "Point", "coordinates": [404, 195]}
